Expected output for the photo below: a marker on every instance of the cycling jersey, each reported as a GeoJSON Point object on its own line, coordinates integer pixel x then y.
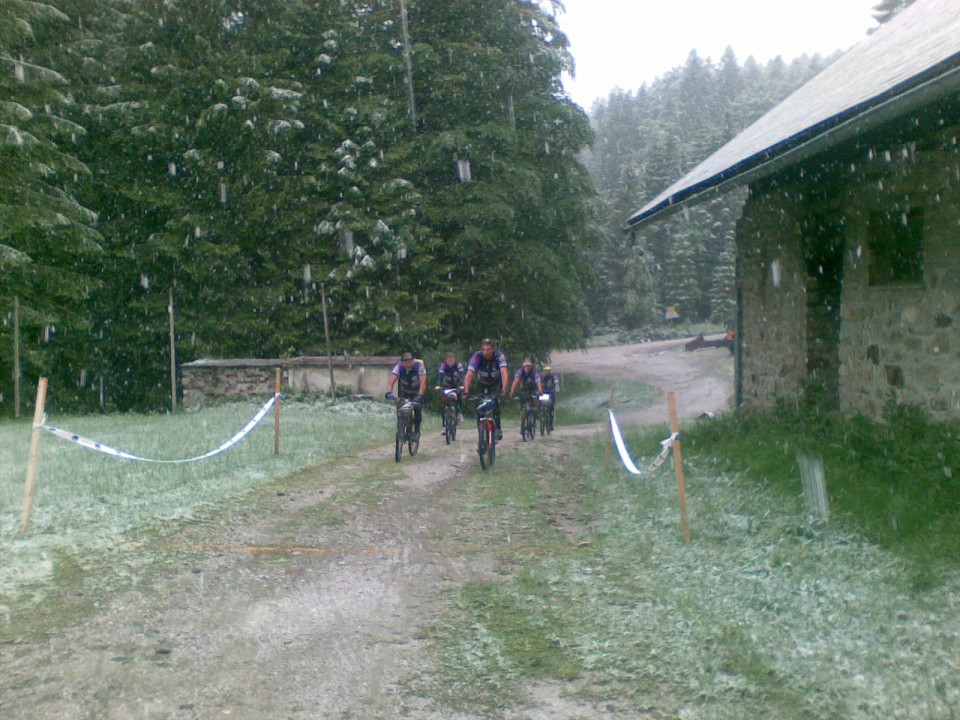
{"type": "Point", "coordinates": [528, 379]}
{"type": "Point", "coordinates": [451, 376]}
{"type": "Point", "coordinates": [487, 371]}
{"type": "Point", "coordinates": [549, 383]}
{"type": "Point", "coordinates": [408, 381]}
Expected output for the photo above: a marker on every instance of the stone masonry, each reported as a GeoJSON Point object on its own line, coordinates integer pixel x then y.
{"type": "Point", "coordinates": [898, 340]}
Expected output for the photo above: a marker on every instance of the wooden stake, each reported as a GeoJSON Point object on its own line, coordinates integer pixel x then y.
{"type": "Point", "coordinates": [326, 333]}
{"type": "Point", "coordinates": [34, 458]}
{"type": "Point", "coordinates": [678, 462]}
{"type": "Point", "coordinates": [609, 430]}
{"type": "Point", "coordinates": [276, 416]}
{"type": "Point", "coordinates": [16, 356]}
{"type": "Point", "coordinates": [173, 353]}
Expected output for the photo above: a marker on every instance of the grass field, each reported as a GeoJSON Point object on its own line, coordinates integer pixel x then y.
{"type": "Point", "coordinates": [763, 615]}
{"type": "Point", "coordinates": [87, 503]}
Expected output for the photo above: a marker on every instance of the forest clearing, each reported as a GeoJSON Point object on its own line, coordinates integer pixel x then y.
{"type": "Point", "coordinates": [546, 588]}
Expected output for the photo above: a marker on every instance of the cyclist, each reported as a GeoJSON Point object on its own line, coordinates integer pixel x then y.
{"type": "Point", "coordinates": [489, 366]}
{"type": "Point", "coordinates": [528, 379]}
{"type": "Point", "coordinates": [548, 381]}
{"type": "Point", "coordinates": [451, 376]}
{"type": "Point", "coordinates": [410, 377]}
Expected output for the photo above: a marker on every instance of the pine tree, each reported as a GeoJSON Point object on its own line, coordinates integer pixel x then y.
{"type": "Point", "coordinates": [885, 10]}
{"type": "Point", "coordinates": [44, 230]}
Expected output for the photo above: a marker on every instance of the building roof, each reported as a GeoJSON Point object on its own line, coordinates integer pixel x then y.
{"type": "Point", "coordinates": [907, 62]}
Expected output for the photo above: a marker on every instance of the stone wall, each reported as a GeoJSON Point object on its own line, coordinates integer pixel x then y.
{"type": "Point", "coordinates": [902, 341]}
{"type": "Point", "coordinates": [223, 379]}
{"type": "Point", "coordinates": [770, 285]}
{"type": "Point", "coordinates": [897, 341]}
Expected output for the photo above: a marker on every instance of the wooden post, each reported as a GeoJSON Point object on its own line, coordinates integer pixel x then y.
{"type": "Point", "coordinates": [16, 356]}
{"type": "Point", "coordinates": [326, 334]}
{"type": "Point", "coordinates": [276, 416]}
{"type": "Point", "coordinates": [173, 353]}
{"type": "Point", "coordinates": [678, 462]}
{"type": "Point", "coordinates": [609, 430]}
{"type": "Point", "coordinates": [34, 458]}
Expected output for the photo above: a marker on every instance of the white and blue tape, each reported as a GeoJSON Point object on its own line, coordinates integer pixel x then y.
{"type": "Point", "coordinates": [666, 446]}
{"type": "Point", "coordinates": [114, 452]}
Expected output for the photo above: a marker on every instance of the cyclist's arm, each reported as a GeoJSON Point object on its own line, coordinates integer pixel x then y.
{"type": "Point", "coordinates": [504, 378]}
{"type": "Point", "coordinates": [423, 384]}
{"type": "Point", "coordinates": [513, 388]}
{"type": "Point", "coordinates": [467, 379]}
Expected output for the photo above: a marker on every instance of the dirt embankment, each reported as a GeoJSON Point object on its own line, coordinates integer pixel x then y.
{"type": "Point", "coordinates": [283, 612]}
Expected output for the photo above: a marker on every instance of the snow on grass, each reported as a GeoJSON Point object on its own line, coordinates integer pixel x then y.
{"type": "Point", "coordinates": [585, 400]}
{"type": "Point", "coordinates": [88, 502]}
{"type": "Point", "coordinates": [762, 615]}
{"type": "Point", "coordinates": [763, 611]}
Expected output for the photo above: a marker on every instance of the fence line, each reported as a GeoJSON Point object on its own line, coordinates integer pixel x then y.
{"type": "Point", "coordinates": [666, 447]}
{"type": "Point", "coordinates": [123, 455]}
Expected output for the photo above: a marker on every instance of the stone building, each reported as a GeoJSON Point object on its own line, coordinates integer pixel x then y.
{"type": "Point", "coordinates": [848, 247]}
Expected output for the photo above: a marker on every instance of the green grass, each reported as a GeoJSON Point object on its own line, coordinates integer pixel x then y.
{"type": "Point", "coordinates": [762, 615]}
{"type": "Point", "coordinates": [499, 633]}
{"type": "Point", "coordinates": [89, 505]}
{"type": "Point", "coordinates": [898, 482]}
{"type": "Point", "coordinates": [585, 400]}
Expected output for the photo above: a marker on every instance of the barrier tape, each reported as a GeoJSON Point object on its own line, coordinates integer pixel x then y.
{"type": "Point", "coordinates": [107, 450]}
{"type": "Point", "coordinates": [666, 446]}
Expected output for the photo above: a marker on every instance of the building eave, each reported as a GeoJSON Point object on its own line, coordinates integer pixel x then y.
{"type": "Point", "coordinates": [920, 91]}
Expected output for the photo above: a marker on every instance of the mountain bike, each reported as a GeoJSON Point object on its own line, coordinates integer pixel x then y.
{"type": "Point", "coordinates": [546, 414]}
{"type": "Point", "coordinates": [450, 413]}
{"type": "Point", "coordinates": [487, 431]}
{"type": "Point", "coordinates": [528, 416]}
{"type": "Point", "coordinates": [406, 412]}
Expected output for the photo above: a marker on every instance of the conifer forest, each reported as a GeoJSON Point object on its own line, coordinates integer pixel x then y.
{"type": "Point", "coordinates": [416, 163]}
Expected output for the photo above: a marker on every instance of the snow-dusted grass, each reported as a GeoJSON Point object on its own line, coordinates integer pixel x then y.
{"type": "Point", "coordinates": [763, 615]}
{"type": "Point", "coordinates": [585, 400]}
{"type": "Point", "coordinates": [87, 502]}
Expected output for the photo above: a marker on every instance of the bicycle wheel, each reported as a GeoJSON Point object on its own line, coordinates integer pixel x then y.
{"type": "Point", "coordinates": [449, 424]}
{"type": "Point", "coordinates": [491, 447]}
{"type": "Point", "coordinates": [550, 419]}
{"type": "Point", "coordinates": [413, 440]}
{"type": "Point", "coordinates": [482, 447]}
{"type": "Point", "coordinates": [523, 424]}
{"type": "Point", "coordinates": [398, 453]}
{"type": "Point", "coordinates": [543, 421]}
{"type": "Point", "coordinates": [531, 424]}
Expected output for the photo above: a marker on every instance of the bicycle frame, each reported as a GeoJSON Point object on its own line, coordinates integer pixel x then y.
{"type": "Point", "coordinates": [487, 431]}
{"type": "Point", "coordinates": [529, 413]}
{"type": "Point", "coordinates": [405, 415]}
{"type": "Point", "coordinates": [450, 412]}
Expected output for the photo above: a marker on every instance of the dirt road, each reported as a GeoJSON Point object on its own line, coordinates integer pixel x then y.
{"type": "Point", "coordinates": [282, 612]}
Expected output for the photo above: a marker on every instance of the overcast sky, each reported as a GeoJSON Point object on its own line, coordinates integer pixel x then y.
{"type": "Point", "coordinates": [623, 43]}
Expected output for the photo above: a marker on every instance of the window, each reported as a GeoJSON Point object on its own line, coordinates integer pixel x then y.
{"type": "Point", "coordinates": [896, 247]}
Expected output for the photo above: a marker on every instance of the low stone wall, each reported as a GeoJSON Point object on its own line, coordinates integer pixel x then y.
{"type": "Point", "coordinates": [223, 379]}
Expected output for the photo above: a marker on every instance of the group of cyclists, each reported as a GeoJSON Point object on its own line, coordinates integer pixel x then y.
{"type": "Point", "coordinates": [487, 374]}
